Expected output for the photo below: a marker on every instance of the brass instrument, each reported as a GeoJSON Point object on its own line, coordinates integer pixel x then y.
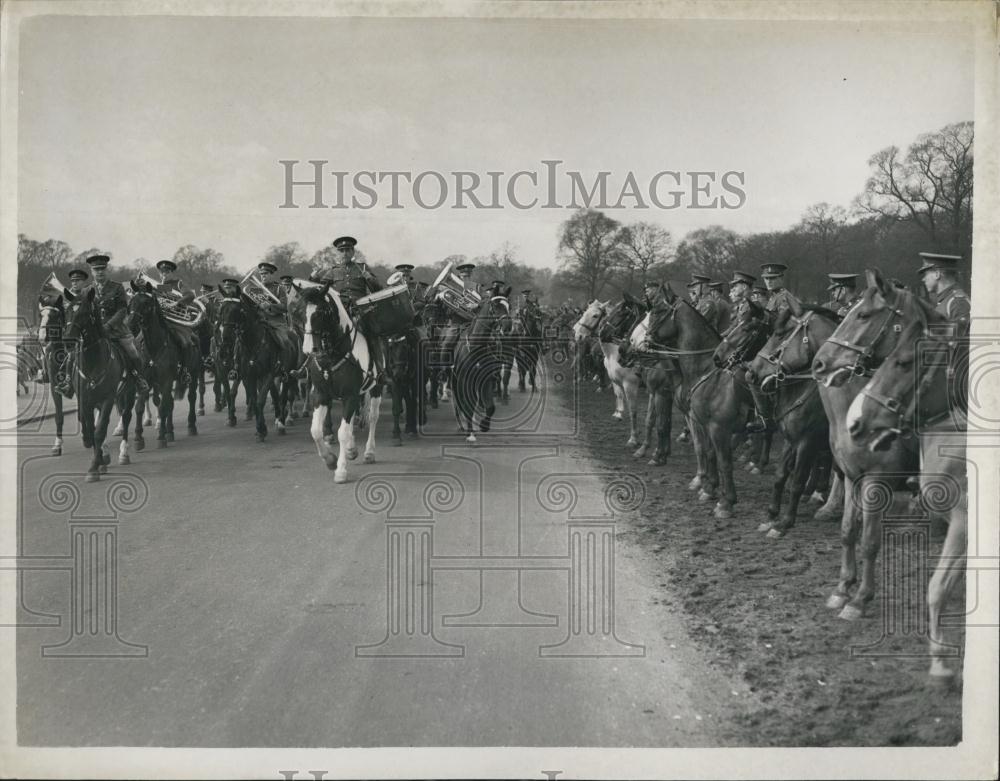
{"type": "Point", "coordinates": [189, 312]}
{"type": "Point", "coordinates": [52, 286]}
{"type": "Point", "coordinates": [257, 292]}
{"type": "Point", "coordinates": [450, 290]}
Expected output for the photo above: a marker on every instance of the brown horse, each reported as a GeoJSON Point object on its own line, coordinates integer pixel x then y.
{"type": "Point", "coordinates": [102, 380]}
{"type": "Point", "coordinates": [173, 361]}
{"type": "Point", "coordinates": [782, 367]}
{"type": "Point", "coordinates": [659, 376]}
{"type": "Point", "coordinates": [920, 389]}
{"type": "Point", "coordinates": [714, 401]}
{"type": "Point", "coordinates": [862, 341]}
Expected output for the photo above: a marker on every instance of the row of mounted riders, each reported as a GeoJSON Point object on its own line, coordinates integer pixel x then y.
{"type": "Point", "coordinates": [880, 390]}
{"type": "Point", "coordinates": [313, 353]}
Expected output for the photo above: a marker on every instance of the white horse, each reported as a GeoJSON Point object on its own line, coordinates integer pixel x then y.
{"type": "Point", "coordinates": [624, 379]}
{"type": "Point", "coordinates": [341, 380]}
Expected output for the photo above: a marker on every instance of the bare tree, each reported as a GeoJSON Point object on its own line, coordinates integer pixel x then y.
{"type": "Point", "coordinates": [589, 244]}
{"type": "Point", "coordinates": [645, 248]}
{"type": "Point", "coordinates": [931, 185]}
{"type": "Point", "coordinates": [823, 226]}
{"type": "Point", "coordinates": [713, 251]}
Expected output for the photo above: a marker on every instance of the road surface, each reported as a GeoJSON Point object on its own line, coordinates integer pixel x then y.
{"type": "Point", "coordinates": [253, 597]}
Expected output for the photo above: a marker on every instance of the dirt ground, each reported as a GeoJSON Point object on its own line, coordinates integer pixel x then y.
{"type": "Point", "coordinates": [756, 607]}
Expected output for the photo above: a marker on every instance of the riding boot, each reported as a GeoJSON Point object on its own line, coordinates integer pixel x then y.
{"type": "Point", "coordinates": [135, 369]}
{"type": "Point", "coordinates": [764, 422]}
{"type": "Point", "coordinates": [63, 381]}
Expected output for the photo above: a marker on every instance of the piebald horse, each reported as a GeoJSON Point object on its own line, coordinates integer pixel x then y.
{"type": "Point", "coordinates": [341, 369]}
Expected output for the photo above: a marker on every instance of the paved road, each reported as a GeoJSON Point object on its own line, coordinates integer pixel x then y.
{"type": "Point", "coordinates": [255, 583]}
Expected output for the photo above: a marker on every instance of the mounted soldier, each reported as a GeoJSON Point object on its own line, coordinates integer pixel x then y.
{"type": "Point", "coordinates": [843, 291]}
{"type": "Point", "coordinates": [170, 282]}
{"type": "Point", "coordinates": [725, 310]}
{"type": "Point", "coordinates": [759, 295]}
{"type": "Point", "coordinates": [939, 275]}
{"type": "Point", "coordinates": [740, 290]}
{"type": "Point", "coordinates": [112, 308]}
{"type": "Point", "coordinates": [353, 280]}
{"type": "Point", "coordinates": [705, 303]}
{"type": "Point", "coordinates": [62, 383]}
{"type": "Point", "coordinates": [779, 300]}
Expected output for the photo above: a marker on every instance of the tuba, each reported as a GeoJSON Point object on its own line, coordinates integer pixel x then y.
{"type": "Point", "coordinates": [175, 307]}
{"type": "Point", "coordinates": [257, 292]}
{"type": "Point", "coordinates": [450, 290]}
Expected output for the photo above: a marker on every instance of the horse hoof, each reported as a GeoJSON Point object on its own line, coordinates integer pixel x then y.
{"type": "Point", "coordinates": [413, 434]}
{"type": "Point", "coordinates": [694, 485]}
{"type": "Point", "coordinates": [825, 516]}
{"type": "Point", "coordinates": [772, 513]}
{"type": "Point", "coordinates": [93, 477]}
{"type": "Point", "coordinates": [703, 496]}
{"type": "Point", "coordinates": [289, 419]}
{"type": "Point", "coordinates": [631, 442]}
{"type": "Point", "coordinates": [231, 423]}
{"type": "Point", "coordinates": [170, 436]}
{"type": "Point", "coordinates": [775, 534]}
{"type": "Point", "coordinates": [281, 431]}
{"type": "Point", "coordinates": [817, 498]}
{"type": "Point", "coordinates": [218, 408]}
{"type": "Point", "coordinates": [369, 458]}
{"type": "Point", "coordinates": [471, 439]}
{"type": "Point", "coordinates": [836, 601]}
{"type": "Point", "coordinates": [616, 415]}
{"type": "Point", "coordinates": [939, 675]}
{"type": "Point", "coordinates": [201, 410]}
{"type": "Point", "coordinates": [259, 437]}
{"type": "Point", "coordinates": [117, 432]}
{"type": "Point", "coordinates": [657, 461]}
{"type": "Point", "coordinates": [722, 512]}
{"type": "Point", "coordinates": [103, 469]}
{"type": "Point", "coordinates": [484, 427]}
{"type": "Point", "coordinates": [755, 470]}
{"type": "Point", "coordinates": [397, 441]}
{"type": "Point", "coordinates": [192, 431]}
{"type": "Point", "coordinates": [147, 422]}
{"type": "Point", "coordinates": [763, 527]}
{"type": "Point", "coordinates": [139, 443]}
{"type": "Point", "coordinates": [331, 463]}
{"type": "Point", "coordinates": [57, 451]}
{"type": "Point", "coordinates": [340, 477]}
{"type": "Point", "coordinates": [352, 453]}
{"type": "Point", "coordinates": [161, 443]}
{"type": "Point", "coordinates": [124, 460]}
{"type": "Point", "coordinates": [851, 613]}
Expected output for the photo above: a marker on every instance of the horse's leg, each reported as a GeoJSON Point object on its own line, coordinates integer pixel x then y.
{"type": "Point", "coordinates": [630, 386]}
{"type": "Point", "coordinates": [949, 569]}
{"type": "Point", "coordinates": [871, 541]}
{"type": "Point", "coordinates": [848, 538]}
{"type": "Point", "coordinates": [643, 448]}
{"type": "Point", "coordinates": [834, 507]}
{"type": "Point", "coordinates": [374, 407]}
{"type": "Point", "coordinates": [710, 479]}
{"type": "Point", "coordinates": [805, 460]}
{"type": "Point", "coordinates": [664, 409]}
{"type": "Point", "coordinates": [488, 405]}
{"type": "Point", "coordinates": [397, 410]}
{"type": "Point", "coordinates": [201, 387]}
{"type": "Point", "coordinates": [765, 453]}
{"type": "Point", "coordinates": [101, 435]}
{"type": "Point", "coordinates": [778, 489]}
{"type": "Point", "coordinates": [345, 435]}
{"type": "Point", "coordinates": [162, 410]}
{"type": "Point", "coordinates": [619, 400]}
{"type": "Point", "coordinates": [260, 398]}
{"type": "Point", "coordinates": [127, 411]}
{"type": "Point", "coordinates": [317, 430]}
{"type": "Point", "coordinates": [57, 403]}
{"type": "Point", "coordinates": [699, 453]}
{"type": "Point", "coordinates": [351, 450]}
{"type": "Point", "coordinates": [138, 407]}
{"type": "Point", "coordinates": [722, 436]}
{"type": "Point", "coordinates": [278, 402]}
{"type": "Point", "coordinates": [192, 395]}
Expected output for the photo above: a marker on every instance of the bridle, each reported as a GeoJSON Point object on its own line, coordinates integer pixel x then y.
{"type": "Point", "coordinates": [663, 350]}
{"type": "Point", "coordinates": [592, 329]}
{"type": "Point", "coordinates": [740, 351]}
{"type": "Point", "coordinates": [861, 366]}
{"type": "Point", "coordinates": [783, 373]}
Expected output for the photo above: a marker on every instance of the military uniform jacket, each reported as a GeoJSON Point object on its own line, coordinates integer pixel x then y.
{"type": "Point", "coordinates": [708, 308]}
{"type": "Point", "coordinates": [840, 307]}
{"type": "Point", "coordinates": [954, 304]}
{"type": "Point", "coordinates": [725, 315]}
{"type": "Point", "coordinates": [352, 281]}
{"type": "Point", "coordinates": [779, 301]}
{"type": "Point", "coordinates": [112, 306]}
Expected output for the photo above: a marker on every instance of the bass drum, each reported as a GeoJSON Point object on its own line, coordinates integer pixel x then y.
{"type": "Point", "coordinates": [387, 312]}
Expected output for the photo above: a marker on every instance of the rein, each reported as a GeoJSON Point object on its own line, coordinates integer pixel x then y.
{"type": "Point", "coordinates": [861, 367]}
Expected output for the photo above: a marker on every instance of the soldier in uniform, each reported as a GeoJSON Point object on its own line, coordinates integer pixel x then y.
{"type": "Point", "coordinates": [112, 308]}
{"type": "Point", "coordinates": [939, 274]}
{"type": "Point", "coordinates": [842, 289]}
{"type": "Point", "coordinates": [465, 273]}
{"type": "Point", "coordinates": [352, 281]}
{"type": "Point", "coordinates": [779, 300]}
{"type": "Point", "coordinates": [207, 296]}
{"type": "Point", "coordinates": [694, 292]}
{"type": "Point", "coordinates": [725, 310]}
{"type": "Point", "coordinates": [169, 281]}
{"type": "Point", "coordinates": [497, 288]}
{"type": "Point", "coordinates": [706, 305]}
{"type": "Point", "coordinates": [740, 289]}
{"type": "Point", "coordinates": [63, 381]}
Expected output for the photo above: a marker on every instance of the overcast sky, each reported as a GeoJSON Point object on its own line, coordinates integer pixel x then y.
{"type": "Point", "coordinates": [139, 135]}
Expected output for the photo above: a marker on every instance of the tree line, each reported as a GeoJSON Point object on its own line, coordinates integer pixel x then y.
{"type": "Point", "coordinates": [915, 200]}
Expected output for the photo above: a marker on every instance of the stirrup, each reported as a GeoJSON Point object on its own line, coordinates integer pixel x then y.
{"type": "Point", "coordinates": [759, 426]}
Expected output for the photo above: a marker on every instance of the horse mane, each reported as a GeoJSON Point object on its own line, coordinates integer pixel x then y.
{"type": "Point", "coordinates": [708, 326]}
{"type": "Point", "coordinates": [822, 311]}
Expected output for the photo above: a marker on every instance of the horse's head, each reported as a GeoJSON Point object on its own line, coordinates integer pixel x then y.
{"type": "Point", "coordinates": [325, 320]}
{"type": "Point", "coordinates": [400, 352]}
{"type": "Point", "coordinates": [52, 317]}
{"type": "Point", "coordinates": [744, 338]}
{"type": "Point", "coordinates": [143, 309]}
{"type": "Point", "coordinates": [923, 376]}
{"type": "Point", "coordinates": [866, 335]}
{"type": "Point", "coordinates": [82, 321]}
{"type": "Point", "coordinates": [797, 334]}
{"type": "Point", "coordinates": [621, 318]}
{"type": "Point", "coordinates": [663, 327]}
{"type": "Point", "coordinates": [493, 316]}
{"type": "Point", "coordinates": [587, 325]}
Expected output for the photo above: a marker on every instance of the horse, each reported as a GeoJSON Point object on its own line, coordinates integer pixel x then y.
{"type": "Point", "coordinates": [203, 333]}
{"type": "Point", "coordinates": [55, 352]}
{"type": "Point", "coordinates": [173, 359]}
{"type": "Point", "coordinates": [842, 366]}
{"type": "Point", "coordinates": [102, 380]}
{"type": "Point", "coordinates": [711, 397]}
{"type": "Point", "coordinates": [402, 366]}
{"type": "Point", "coordinates": [340, 368]}
{"type": "Point", "coordinates": [228, 357]}
{"type": "Point", "coordinates": [913, 391]}
{"type": "Point", "coordinates": [624, 379]}
{"type": "Point", "coordinates": [658, 377]}
{"type": "Point", "coordinates": [782, 367]}
{"type": "Point", "coordinates": [527, 332]}
{"type": "Point", "coordinates": [477, 365]}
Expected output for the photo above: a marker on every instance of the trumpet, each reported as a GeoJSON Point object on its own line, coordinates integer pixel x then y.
{"type": "Point", "coordinates": [189, 312]}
